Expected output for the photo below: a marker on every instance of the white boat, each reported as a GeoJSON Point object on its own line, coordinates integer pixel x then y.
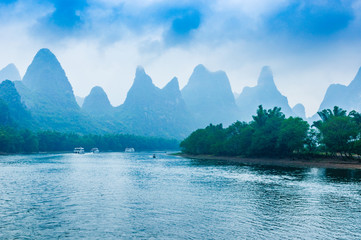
{"type": "Point", "coordinates": [94, 150]}
{"type": "Point", "coordinates": [79, 150]}
{"type": "Point", "coordinates": [129, 150]}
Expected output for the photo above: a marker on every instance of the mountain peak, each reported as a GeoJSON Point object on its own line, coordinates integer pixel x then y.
{"type": "Point", "coordinates": [45, 54]}
{"type": "Point", "coordinates": [208, 95]}
{"type": "Point", "coordinates": [46, 77]}
{"type": "Point", "coordinates": [299, 110]}
{"type": "Point", "coordinates": [346, 97]}
{"type": "Point", "coordinates": [45, 72]}
{"type": "Point", "coordinates": [97, 102]}
{"type": "Point", "coordinates": [10, 72]}
{"type": "Point", "coordinates": [266, 77]}
{"type": "Point", "coordinates": [142, 88]}
{"type": "Point", "coordinates": [265, 93]}
{"type": "Point", "coordinates": [173, 84]}
{"type": "Point", "coordinates": [44, 51]}
{"type": "Point", "coordinates": [172, 89]}
{"type": "Point", "coordinates": [140, 71]}
{"type": "Point", "coordinates": [200, 68]}
{"type": "Point", "coordinates": [141, 78]}
{"type": "Point", "coordinates": [97, 91]}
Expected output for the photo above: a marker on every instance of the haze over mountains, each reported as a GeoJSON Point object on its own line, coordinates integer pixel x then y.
{"type": "Point", "coordinates": [265, 93]}
{"type": "Point", "coordinates": [209, 97]}
{"type": "Point", "coordinates": [10, 72]}
{"type": "Point", "coordinates": [44, 99]}
{"type": "Point", "coordinates": [156, 111]}
{"type": "Point", "coordinates": [347, 97]}
{"type": "Point", "coordinates": [97, 103]}
{"type": "Point", "coordinates": [48, 95]}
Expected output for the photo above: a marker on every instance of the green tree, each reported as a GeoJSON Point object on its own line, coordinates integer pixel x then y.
{"type": "Point", "coordinates": [266, 124]}
{"type": "Point", "coordinates": [239, 139]}
{"type": "Point", "coordinates": [339, 134]}
{"type": "Point", "coordinates": [292, 136]}
{"type": "Point", "coordinates": [311, 141]}
{"type": "Point", "coordinates": [355, 116]}
{"type": "Point", "coordinates": [210, 140]}
{"type": "Point", "coordinates": [327, 114]}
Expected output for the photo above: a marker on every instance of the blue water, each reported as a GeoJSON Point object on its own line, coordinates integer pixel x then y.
{"type": "Point", "coordinates": [133, 196]}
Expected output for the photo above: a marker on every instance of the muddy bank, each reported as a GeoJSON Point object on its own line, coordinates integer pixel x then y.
{"type": "Point", "coordinates": [305, 163]}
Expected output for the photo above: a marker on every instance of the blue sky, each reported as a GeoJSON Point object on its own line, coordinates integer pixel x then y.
{"type": "Point", "coordinates": [308, 44]}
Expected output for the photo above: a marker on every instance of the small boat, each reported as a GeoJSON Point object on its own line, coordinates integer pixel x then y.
{"type": "Point", "coordinates": [94, 150]}
{"type": "Point", "coordinates": [129, 150]}
{"type": "Point", "coordinates": [79, 150]}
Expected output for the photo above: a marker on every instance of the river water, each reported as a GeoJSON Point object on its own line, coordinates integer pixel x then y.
{"type": "Point", "coordinates": [133, 196]}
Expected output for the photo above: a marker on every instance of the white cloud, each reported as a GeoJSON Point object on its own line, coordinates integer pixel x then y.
{"type": "Point", "coordinates": [109, 53]}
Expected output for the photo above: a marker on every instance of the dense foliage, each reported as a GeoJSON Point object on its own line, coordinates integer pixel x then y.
{"type": "Point", "coordinates": [271, 134]}
{"type": "Point", "coordinates": [25, 141]}
{"type": "Point", "coordinates": [339, 133]}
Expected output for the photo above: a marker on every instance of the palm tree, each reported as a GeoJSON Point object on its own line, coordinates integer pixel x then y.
{"type": "Point", "coordinates": [261, 116]}
{"type": "Point", "coordinates": [339, 112]}
{"type": "Point", "coordinates": [355, 116]}
{"type": "Point", "coordinates": [327, 114]}
{"type": "Point", "coordinates": [275, 112]}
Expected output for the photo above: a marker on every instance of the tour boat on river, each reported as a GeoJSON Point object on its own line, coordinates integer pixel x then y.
{"type": "Point", "coordinates": [129, 150]}
{"type": "Point", "coordinates": [79, 150]}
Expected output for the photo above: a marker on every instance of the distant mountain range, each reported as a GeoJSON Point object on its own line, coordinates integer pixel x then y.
{"type": "Point", "coordinates": [44, 99]}
{"type": "Point", "coordinates": [155, 111]}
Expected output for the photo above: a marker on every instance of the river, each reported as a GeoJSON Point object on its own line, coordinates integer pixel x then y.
{"type": "Point", "coordinates": [134, 196]}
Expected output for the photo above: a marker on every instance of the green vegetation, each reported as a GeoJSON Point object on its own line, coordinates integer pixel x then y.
{"type": "Point", "coordinates": [25, 141]}
{"type": "Point", "coordinates": [271, 134]}
{"type": "Point", "coordinates": [339, 133]}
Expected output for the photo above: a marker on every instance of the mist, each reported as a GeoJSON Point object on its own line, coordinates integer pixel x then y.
{"type": "Point", "coordinates": [308, 45]}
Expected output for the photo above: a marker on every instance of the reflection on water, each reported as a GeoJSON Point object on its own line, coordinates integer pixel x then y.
{"type": "Point", "coordinates": [126, 196]}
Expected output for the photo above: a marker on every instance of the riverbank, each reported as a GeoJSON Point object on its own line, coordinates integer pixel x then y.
{"type": "Point", "coordinates": [303, 163]}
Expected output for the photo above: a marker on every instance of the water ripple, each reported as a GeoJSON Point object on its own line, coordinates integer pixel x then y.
{"type": "Point", "coordinates": [128, 196]}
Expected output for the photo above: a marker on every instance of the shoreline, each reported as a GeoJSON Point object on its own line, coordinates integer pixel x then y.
{"type": "Point", "coordinates": [71, 152]}
{"type": "Point", "coordinates": [283, 162]}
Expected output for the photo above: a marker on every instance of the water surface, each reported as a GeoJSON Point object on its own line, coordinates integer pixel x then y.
{"type": "Point", "coordinates": [130, 196]}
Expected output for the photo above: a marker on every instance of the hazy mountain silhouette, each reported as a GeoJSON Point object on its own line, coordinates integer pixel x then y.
{"type": "Point", "coordinates": [97, 102]}
{"type": "Point", "coordinates": [209, 97]}
{"type": "Point", "coordinates": [46, 77]}
{"type": "Point", "coordinates": [49, 96]}
{"type": "Point", "coordinates": [10, 72]}
{"type": "Point", "coordinates": [148, 110]}
{"type": "Point", "coordinates": [299, 111]}
{"type": "Point", "coordinates": [14, 109]}
{"type": "Point", "coordinates": [265, 93]}
{"type": "Point", "coordinates": [346, 97]}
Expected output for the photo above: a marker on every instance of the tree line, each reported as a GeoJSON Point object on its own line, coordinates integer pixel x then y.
{"type": "Point", "coordinates": [271, 134]}
{"type": "Point", "coordinates": [13, 140]}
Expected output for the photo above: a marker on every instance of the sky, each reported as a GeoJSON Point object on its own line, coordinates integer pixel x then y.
{"type": "Point", "coordinates": [308, 44]}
